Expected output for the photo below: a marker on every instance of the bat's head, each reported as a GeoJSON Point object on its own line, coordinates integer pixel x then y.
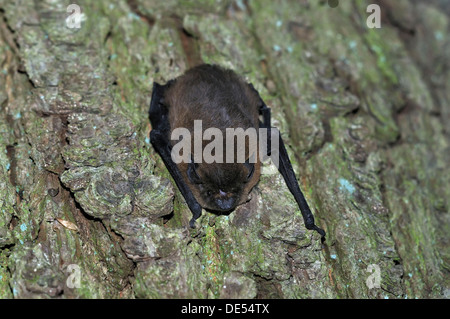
{"type": "Point", "coordinates": [222, 186]}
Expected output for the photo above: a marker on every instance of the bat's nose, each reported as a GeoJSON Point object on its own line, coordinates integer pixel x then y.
{"type": "Point", "coordinates": [225, 204]}
{"type": "Point", "coordinates": [222, 193]}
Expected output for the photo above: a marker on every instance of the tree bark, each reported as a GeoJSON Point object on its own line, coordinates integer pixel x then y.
{"type": "Point", "coordinates": [88, 209]}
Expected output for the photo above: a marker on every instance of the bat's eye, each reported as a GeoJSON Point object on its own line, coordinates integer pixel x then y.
{"type": "Point", "coordinates": [209, 193]}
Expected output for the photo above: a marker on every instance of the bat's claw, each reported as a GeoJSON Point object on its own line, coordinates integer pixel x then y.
{"type": "Point", "coordinates": [192, 223]}
{"type": "Point", "coordinates": [320, 231]}
{"type": "Point", "coordinates": [317, 229]}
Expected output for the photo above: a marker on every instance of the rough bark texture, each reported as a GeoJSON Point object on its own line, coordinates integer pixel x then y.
{"type": "Point", "coordinates": [364, 112]}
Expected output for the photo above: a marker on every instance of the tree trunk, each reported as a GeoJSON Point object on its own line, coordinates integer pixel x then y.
{"type": "Point", "coordinates": [88, 209]}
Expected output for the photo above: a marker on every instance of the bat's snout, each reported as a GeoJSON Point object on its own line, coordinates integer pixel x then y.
{"type": "Point", "coordinates": [225, 201]}
{"type": "Point", "coordinates": [225, 204]}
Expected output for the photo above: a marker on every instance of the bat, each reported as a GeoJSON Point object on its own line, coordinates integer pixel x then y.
{"type": "Point", "coordinates": [211, 101]}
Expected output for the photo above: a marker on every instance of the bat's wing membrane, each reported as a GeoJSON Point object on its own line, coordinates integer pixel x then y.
{"type": "Point", "coordinates": [285, 168]}
{"type": "Point", "coordinates": [159, 137]}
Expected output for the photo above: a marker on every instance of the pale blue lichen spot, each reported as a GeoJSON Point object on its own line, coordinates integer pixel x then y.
{"type": "Point", "coordinates": [346, 185]}
{"type": "Point", "coordinates": [133, 16]}
{"type": "Point", "coordinates": [23, 227]}
{"type": "Point", "coordinates": [241, 5]}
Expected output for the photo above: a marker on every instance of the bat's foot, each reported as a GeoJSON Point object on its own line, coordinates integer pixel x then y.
{"type": "Point", "coordinates": [317, 229]}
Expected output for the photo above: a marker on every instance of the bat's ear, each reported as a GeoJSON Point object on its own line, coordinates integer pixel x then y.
{"type": "Point", "coordinates": [192, 173]}
{"type": "Point", "coordinates": [250, 165]}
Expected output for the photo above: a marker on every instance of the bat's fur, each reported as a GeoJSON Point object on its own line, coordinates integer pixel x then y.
{"type": "Point", "coordinates": [221, 99]}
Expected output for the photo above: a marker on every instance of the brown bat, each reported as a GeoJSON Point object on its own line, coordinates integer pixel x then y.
{"type": "Point", "coordinates": [219, 100]}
